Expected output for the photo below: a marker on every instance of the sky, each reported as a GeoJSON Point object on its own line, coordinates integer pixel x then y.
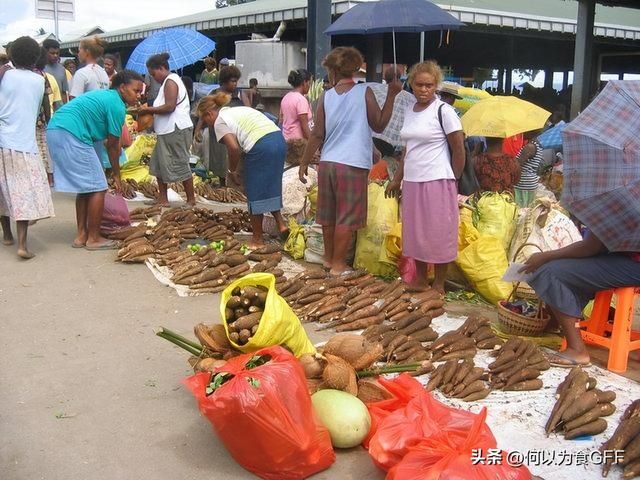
{"type": "Point", "coordinates": [18, 16]}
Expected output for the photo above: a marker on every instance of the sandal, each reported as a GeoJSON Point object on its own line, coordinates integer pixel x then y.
{"type": "Point", "coordinates": [562, 361]}
{"type": "Point", "coordinates": [110, 245]}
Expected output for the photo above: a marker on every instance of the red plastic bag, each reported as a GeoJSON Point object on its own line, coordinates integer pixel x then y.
{"type": "Point", "coordinates": [449, 455]}
{"type": "Point", "coordinates": [264, 416]}
{"type": "Point", "coordinates": [403, 388]}
{"type": "Point", "coordinates": [115, 214]}
{"type": "Point", "coordinates": [421, 418]}
{"type": "Point", "coordinates": [408, 270]}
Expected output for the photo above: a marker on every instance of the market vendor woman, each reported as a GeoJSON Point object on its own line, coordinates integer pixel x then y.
{"type": "Point", "coordinates": [568, 278]}
{"type": "Point", "coordinates": [92, 117]}
{"type": "Point", "coordinates": [244, 129]}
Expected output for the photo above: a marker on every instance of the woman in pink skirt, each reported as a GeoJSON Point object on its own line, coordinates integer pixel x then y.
{"type": "Point", "coordinates": [431, 162]}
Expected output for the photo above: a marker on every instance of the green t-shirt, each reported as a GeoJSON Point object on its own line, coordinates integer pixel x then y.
{"type": "Point", "coordinates": [92, 116]}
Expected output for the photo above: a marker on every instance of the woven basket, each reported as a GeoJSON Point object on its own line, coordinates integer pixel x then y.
{"type": "Point", "coordinates": [517, 324]}
{"type": "Point", "coordinates": [523, 290]}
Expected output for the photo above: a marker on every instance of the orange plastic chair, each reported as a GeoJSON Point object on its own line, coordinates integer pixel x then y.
{"type": "Point", "coordinates": [618, 337]}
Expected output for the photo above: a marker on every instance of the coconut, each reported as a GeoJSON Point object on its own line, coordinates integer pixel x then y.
{"type": "Point", "coordinates": [355, 349]}
{"type": "Point", "coordinates": [369, 390]}
{"type": "Point", "coordinates": [204, 335]}
{"type": "Point", "coordinates": [313, 385]}
{"type": "Point", "coordinates": [313, 365]}
{"type": "Point", "coordinates": [339, 375]}
{"type": "Point", "coordinates": [208, 365]}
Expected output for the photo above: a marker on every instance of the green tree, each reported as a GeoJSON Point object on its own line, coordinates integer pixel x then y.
{"type": "Point", "coordinates": [230, 3]}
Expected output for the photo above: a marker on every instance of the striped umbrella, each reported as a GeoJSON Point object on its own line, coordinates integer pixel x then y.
{"type": "Point", "coordinates": [602, 166]}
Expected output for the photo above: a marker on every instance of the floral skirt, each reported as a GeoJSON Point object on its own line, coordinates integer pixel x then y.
{"type": "Point", "coordinates": [24, 189]}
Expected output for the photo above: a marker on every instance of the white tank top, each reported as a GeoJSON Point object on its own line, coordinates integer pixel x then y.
{"type": "Point", "coordinates": [180, 117]}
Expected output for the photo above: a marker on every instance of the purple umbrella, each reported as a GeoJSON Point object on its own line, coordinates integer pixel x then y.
{"type": "Point", "coordinates": [602, 166]}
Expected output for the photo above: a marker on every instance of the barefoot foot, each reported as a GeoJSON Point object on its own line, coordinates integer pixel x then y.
{"type": "Point", "coordinates": [25, 254]}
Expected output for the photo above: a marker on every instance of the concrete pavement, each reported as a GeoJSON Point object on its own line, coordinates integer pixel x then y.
{"type": "Point", "coordinates": [87, 391]}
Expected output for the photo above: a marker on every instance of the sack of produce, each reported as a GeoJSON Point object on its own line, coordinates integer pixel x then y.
{"type": "Point", "coordinates": [483, 263]}
{"type": "Point", "coordinates": [449, 453]}
{"type": "Point", "coordinates": [255, 316]}
{"type": "Point", "coordinates": [115, 214]}
{"type": "Point", "coordinates": [259, 407]}
{"type": "Point", "coordinates": [423, 418]}
{"type": "Point", "coordinates": [382, 216]}
{"type": "Point", "coordinates": [495, 214]}
{"type": "Point", "coordinates": [295, 243]}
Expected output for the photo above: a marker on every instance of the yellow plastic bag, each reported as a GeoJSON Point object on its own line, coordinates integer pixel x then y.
{"type": "Point", "coordinates": [278, 325]}
{"type": "Point", "coordinates": [495, 214]}
{"type": "Point", "coordinates": [483, 263]}
{"type": "Point", "coordinates": [295, 243]}
{"type": "Point", "coordinates": [143, 145]}
{"type": "Point", "coordinates": [382, 216]}
{"type": "Point", "coordinates": [393, 244]}
{"type": "Point", "coordinates": [312, 197]}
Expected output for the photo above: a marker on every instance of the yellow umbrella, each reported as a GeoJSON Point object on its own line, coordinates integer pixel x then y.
{"type": "Point", "coordinates": [503, 117]}
{"type": "Point", "coordinates": [470, 96]}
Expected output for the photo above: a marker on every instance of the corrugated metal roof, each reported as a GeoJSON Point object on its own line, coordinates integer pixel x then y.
{"type": "Point", "coordinates": [542, 15]}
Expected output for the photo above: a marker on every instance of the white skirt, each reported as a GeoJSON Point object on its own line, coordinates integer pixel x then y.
{"type": "Point", "coordinates": [24, 189]}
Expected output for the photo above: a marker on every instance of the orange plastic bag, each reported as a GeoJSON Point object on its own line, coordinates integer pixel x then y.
{"type": "Point", "coordinates": [403, 388]}
{"type": "Point", "coordinates": [421, 418]}
{"type": "Point", "coordinates": [264, 416]}
{"type": "Point", "coordinates": [450, 455]}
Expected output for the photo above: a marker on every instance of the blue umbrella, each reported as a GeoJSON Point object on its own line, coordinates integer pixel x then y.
{"type": "Point", "coordinates": [552, 138]}
{"type": "Point", "coordinates": [184, 45]}
{"type": "Point", "coordinates": [393, 16]}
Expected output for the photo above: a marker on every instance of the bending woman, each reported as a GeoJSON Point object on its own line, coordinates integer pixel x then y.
{"type": "Point", "coordinates": [172, 122]}
{"type": "Point", "coordinates": [244, 129]}
{"type": "Point", "coordinates": [346, 115]}
{"type": "Point", "coordinates": [568, 278]}
{"type": "Point", "coordinates": [92, 117]}
{"type": "Point", "coordinates": [431, 162]}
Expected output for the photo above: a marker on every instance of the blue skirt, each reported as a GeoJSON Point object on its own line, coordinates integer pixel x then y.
{"type": "Point", "coordinates": [77, 167]}
{"type": "Point", "coordinates": [263, 167]}
{"type": "Point", "coordinates": [568, 284]}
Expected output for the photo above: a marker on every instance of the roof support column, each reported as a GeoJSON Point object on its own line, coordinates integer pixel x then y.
{"type": "Point", "coordinates": [318, 44]}
{"type": "Point", "coordinates": [583, 62]}
{"type": "Point", "coordinates": [548, 77]}
{"type": "Point", "coordinates": [565, 79]}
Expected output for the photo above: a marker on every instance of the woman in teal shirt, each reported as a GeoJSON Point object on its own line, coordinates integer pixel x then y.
{"type": "Point", "coordinates": [92, 117]}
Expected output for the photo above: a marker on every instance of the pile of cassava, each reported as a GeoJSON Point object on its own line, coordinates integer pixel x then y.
{"type": "Point", "coordinates": [356, 300]}
{"type": "Point", "coordinates": [580, 406]}
{"type": "Point", "coordinates": [626, 438]}
{"type": "Point", "coordinates": [517, 366]}
{"type": "Point", "coordinates": [243, 312]}
{"type": "Point", "coordinates": [220, 194]}
{"type": "Point", "coordinates": [207, 270]}
{"type": "Point", "coordinates": [459, 379]}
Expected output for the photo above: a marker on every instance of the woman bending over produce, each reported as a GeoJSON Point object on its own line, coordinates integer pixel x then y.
{"type": "Point", "coordinates": [92, 117]}
{"type": "Point", "coordinates": [431, 162]}
{"type": "Point", "coordinates": [244, 129]}
{"type": "Point", "coordinates": [344, 119]}
{"type": "Point", "coordinates": [568, 278]}
{"type": "Point", "coordinates": [24, 189]}
{"type": "Point", "coordinates": [172, 122]}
